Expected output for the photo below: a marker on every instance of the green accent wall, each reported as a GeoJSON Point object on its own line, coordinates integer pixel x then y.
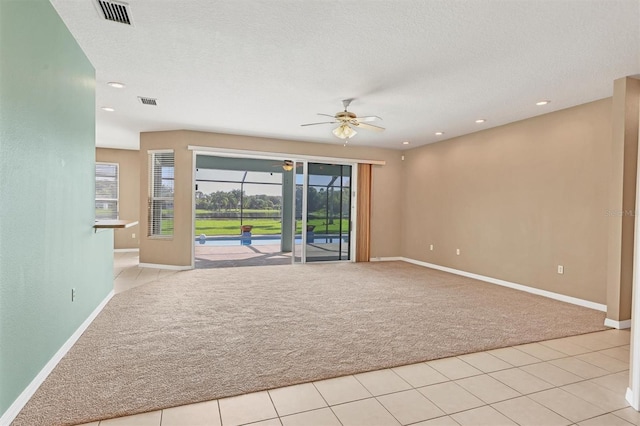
{"type": "Point", "coordinates": [47, 163]}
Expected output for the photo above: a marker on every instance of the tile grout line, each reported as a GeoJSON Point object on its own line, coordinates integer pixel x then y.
{"type": "Point", "coordinates": [326, 402]}
{"type": "Point", "coordinates": [434, 418]}
{"type": "Point", "coordinates": [384, 406]}
{"type": "Point", "coordinates": [542, 405]}
{"type": "Point", "coordinates": [272, 404]}
{"type": "Point", "coordinates": [572, 422]}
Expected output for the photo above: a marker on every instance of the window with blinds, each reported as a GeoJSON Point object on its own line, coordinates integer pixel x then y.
{"type": "Point", "coordinates": [106, 191]}
{"type": "Point", "coordinates": [161, 185]}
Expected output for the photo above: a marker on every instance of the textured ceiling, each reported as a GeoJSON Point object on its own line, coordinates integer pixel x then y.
{"type": "Point", "coordinates": [263, 68]}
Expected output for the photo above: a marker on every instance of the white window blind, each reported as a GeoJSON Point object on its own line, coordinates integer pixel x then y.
{"type": "Point", "coordinates": [106, 191]}
{"type": "Point", "coordinates": [161, 186]}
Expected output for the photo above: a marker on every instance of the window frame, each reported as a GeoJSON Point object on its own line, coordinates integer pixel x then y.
{"type": "Point", "coordinates": [152, 198]}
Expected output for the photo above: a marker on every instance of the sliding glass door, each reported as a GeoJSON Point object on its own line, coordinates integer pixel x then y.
{"type": "Point", "coordinates": [322, 212]}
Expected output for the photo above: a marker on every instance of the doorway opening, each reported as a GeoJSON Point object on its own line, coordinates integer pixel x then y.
{"type": "Point", "coordinates": [239, 213]}
{"type": "Point", "coordinates": [265, 211]}
{"type": "Point", "coordinates": [323, 206]}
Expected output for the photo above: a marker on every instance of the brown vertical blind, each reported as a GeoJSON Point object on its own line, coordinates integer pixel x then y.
{"type": "Point", "coordinates": [363, 229]}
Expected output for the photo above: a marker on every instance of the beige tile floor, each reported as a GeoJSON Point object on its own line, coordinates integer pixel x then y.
{"type": "Point", "coordinates": [127, 274]}
{"type": "Point", "coordinates": [578, 380]}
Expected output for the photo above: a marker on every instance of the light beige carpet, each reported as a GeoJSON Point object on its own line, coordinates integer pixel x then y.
{"type": "Point", "coordinates": [206, 334]}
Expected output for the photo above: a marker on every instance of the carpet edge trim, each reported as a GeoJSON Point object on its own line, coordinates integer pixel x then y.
{"type": "Point", "coordinates": [19, 403]}
{"type": "Point", "coordinates": [551, 295]}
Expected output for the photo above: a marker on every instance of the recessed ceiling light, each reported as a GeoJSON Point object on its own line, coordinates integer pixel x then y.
{"type": "Point", "coordinates": [439, 133]}
{"type": "Point", "coordinates": [405, 143]}
{"type": "Point", "coordinates": [108, 109]}
{"type": "Point", "coordinates": [116, 85]}
{"type": "Point", "coordinates": [480, 120]}
{"type": "Point", "coordinates": [542, 103]}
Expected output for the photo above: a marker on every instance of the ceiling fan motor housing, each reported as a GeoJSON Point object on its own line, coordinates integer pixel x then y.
{"type": "Point", "coordinates": [345, 116]}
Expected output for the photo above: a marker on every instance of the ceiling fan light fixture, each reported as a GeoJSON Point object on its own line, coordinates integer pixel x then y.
{"type": "Point", "coordinates": [344, 132]}
{"type": "Point", "coordinates": [287, 166]}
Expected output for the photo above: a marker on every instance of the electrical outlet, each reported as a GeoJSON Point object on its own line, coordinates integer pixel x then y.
{"type": "Point", "coordinates": [560, 269]}
{"type": "Point", "coordinates": [73, 294]}
{"type": "Point", "coordinates": [133, 235]}
{"type": "Point", "coordinates": [458, 252]}
{"type": "Point", "coordinates": [431, 247]}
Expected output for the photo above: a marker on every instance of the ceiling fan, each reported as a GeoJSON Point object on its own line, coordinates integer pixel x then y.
{"type": "Point", "coordinates": [348, 121]}
{"type": "Point", "coordinates": [286, 165]}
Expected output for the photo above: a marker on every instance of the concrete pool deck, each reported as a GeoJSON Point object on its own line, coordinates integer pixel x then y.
{"type": "Point", "coordinates": [208, 256]}
{"type": "Point", "coordinates": [232, 256]}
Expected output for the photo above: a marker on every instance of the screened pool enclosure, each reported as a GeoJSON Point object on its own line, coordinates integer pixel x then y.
{"type": "Point", "coordinates": [304, 212]}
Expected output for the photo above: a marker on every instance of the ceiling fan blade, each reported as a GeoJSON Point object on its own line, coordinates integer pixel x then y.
{"type": "Point", "coordinates": [327, 115]}
{"type": "Point", "coordinates": [370, 127]}
{"type": "Point", "coordinates": [324, 122]}
{"type": "Point", "coordinates": [368, 118]}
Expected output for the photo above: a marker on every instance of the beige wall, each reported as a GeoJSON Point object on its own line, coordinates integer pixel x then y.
{"type": "Point", "coordinates": [386, 194]}
{"type": "Point", "coordinates": [517, 200]}
{"type": "Point", "coordinates": [129, 192]}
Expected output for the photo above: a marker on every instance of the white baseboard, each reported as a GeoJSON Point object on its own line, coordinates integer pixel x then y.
{"type": "Point", "coordinates": [629, 397]}
{"type": "Point", "coordinates": [532, 290]}
{"type": "Point", "coordinates": [161, 266]}
{"type": "Point", "coordinates": [26, 394]}
{"type": "Point", "coordinates": [129, 250]}
{"type": "Point", "coordinates": [620, 325]}
{"type": "Point", "coordinates": [386, 259]}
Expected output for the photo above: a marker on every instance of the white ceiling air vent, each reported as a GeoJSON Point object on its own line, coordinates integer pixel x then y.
{"type": "Point", "coordinates": [115, 11]}
{"type": "Point", "coordinates": [148, 101]}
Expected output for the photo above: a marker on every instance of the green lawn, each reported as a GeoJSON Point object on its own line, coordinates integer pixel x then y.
{"type": "Point", "coordinates": [264, 211]}
{"type": "Point", "coordinates": [213, 227]}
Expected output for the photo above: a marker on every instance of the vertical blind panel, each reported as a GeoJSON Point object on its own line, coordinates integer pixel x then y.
{"type": "Point", "coordinates": [363, 229]}
{"type": "Point", "coordinates": [161, 191]}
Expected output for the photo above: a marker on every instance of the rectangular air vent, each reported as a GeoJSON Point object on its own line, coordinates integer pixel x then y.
{"type": "Point", "coordinates": [148, 101]}
{"type": "Point", "coordinates": [114, 11]}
